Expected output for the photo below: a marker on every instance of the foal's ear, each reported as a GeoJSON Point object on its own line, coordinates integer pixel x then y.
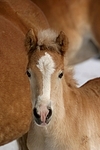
{"type": "Point", "coordinates": [30, 41]}
{"type": "Point", "coordinates": [62, 42]}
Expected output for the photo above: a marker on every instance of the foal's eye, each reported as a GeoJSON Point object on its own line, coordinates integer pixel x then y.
{"type": "Point", "coordinates": [60, 75]}
{"type": "Point", "coordinates": [28, 74]}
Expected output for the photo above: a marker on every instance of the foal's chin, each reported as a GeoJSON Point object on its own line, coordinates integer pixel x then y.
{"type": "Point", "coordinates": [42, 124]}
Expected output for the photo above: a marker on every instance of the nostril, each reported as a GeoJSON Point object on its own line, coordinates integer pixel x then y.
{"type": "Point", "coordinates": [35, 113]}
{"type": "Point", "coordinates": [49, 114]}
{"type": "Point", "coordinates": [42, 116]}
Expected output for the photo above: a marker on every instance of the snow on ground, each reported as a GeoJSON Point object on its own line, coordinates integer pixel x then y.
{"type": "Point", "coordinates": [83, 72]}
{"type": "Point", "coordinates": [87, 70]}
{"type": "Point", "coordinates": [11, 146]}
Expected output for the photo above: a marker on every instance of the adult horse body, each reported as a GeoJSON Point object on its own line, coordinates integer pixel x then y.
{"type": "Point", "coordinates": [64, 117]}
{"type": "Point", "coordinates": [15, 105]}
{"type": "Point", "coordinates": [77, 20]}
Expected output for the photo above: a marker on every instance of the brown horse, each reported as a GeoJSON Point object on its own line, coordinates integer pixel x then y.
{"type": "Point", "coordinates": [15, 105]}
{"type": "Point", "coordinates": [79, 19]}
{"type": "Point", "coordinates": [65, 117]}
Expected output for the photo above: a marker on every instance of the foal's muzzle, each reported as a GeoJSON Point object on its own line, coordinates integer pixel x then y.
{"type": "Point", "coordinates": [43, 117]}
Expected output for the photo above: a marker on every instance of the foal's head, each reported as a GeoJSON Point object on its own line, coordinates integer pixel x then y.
{"type": "Point", "coordinates": [45, 71]}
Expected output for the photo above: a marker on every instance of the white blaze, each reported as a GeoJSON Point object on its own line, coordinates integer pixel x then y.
{"type": "Point", "coordinates": [46, 66]}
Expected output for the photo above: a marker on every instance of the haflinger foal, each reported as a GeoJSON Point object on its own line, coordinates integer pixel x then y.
{"type": "Point", "coordinates": [65, 117]}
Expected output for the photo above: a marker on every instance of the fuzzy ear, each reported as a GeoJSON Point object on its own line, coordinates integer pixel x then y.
{"type": "Point", "coordinates": [62, 42]}
{"type": "Point", "coordinates": [30, 41]}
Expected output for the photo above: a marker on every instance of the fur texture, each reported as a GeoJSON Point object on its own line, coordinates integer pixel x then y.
{"type": "Point", "coordinates": [16, 17]}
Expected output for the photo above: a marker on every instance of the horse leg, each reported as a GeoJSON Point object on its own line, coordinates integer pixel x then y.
{"type": "Point", "coordinates": [22, 141]}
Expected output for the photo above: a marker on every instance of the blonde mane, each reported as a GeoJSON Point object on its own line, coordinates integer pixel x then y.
{"type": "Point", "coordinates": [48, 38]}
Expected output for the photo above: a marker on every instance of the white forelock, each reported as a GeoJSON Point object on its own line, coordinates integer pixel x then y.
{"type": "Point", "coordinates": [47, 37]}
